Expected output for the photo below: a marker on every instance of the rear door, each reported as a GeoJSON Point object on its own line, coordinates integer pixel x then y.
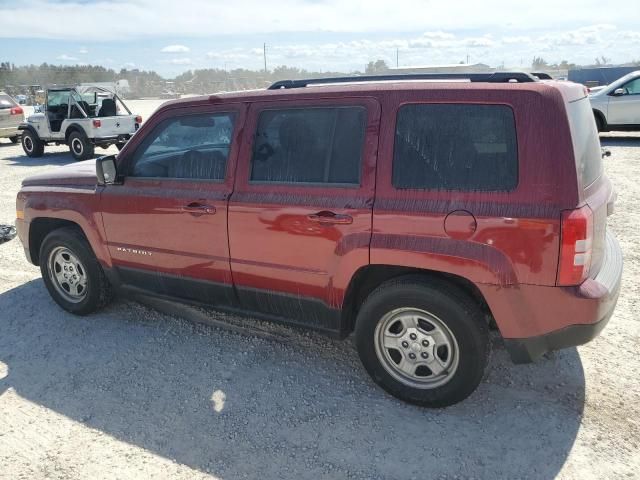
{"type": "Point", "coordinates": [300, 215]}
{"type": "Point", "coordinates": [166, 226]}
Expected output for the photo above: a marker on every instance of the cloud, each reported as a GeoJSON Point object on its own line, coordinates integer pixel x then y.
{"type": "Point", "coordinates": [83, 51]}
{"type": "Point", "coordinates": [176, 49]}
{"type": "Point", "coordinates": [180, 61]}
{"type": "Point", "coordinates": [581, 36]}
{"type": "Point", "coordinates": [439, 35]}
{"type": "Point", "coordinates": [203, 18]}
{"type": "Point", "coordinates": [66, 58]}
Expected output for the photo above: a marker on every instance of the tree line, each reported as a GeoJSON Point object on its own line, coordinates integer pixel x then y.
{"type": "Point", "coordinates": [142, 83]}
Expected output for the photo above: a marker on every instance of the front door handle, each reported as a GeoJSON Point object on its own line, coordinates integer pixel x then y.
{"type": "Point", "coordinates": [199, 208]}
{"type": "Point", "coordinates": [330, 218]}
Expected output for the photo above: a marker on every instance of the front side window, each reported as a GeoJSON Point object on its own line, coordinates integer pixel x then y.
{"type": "Point", "coordinates": [192, 146]}
{"type": "Point", "coordinates": [309, 145]}
{"type": "Point", "coordinates": [455, 147]}
{"type": "Point", "coordinates": [632, 87]}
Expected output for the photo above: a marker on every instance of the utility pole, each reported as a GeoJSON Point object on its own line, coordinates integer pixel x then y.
{"type": "Point", "coordinates": [397, 56]}
{"type": "Point", "coordinates": [467, 59]}
{"type": "Point", "coordinates": [264, 53]}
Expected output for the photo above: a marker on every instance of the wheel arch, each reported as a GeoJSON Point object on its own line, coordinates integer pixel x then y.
{"type": "Point", "coordinates": [366, 279]}
{"type": "Point", "coordinates": [74, 127]}
{"type": "Point", "coordinates": [30, 128]}
{"type": "Point", "coordinates": [599, 115]}
{"type": "Point", "coordinates": [41, 227]}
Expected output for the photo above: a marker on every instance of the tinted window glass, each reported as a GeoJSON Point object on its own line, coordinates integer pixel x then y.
{"type": "Point", "coordinates": [586, 142]}
{"type": "Point", "coordinates": [314, 145]}
{"type": "Point", "coordinates": [194, 146]}
{"type": "Point", "coordinates": [455, 147]}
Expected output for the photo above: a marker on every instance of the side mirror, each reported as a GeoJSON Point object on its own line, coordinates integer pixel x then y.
{"type": "Point", "coordinates": [106, 170]}
{"type": "Point", "coordinates": [618, 92]}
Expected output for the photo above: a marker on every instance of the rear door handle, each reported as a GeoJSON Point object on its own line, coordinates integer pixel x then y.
{"type": "Point", "coordinates": [199, 208]}
{"type": "Point", "coordinates": [330, 218]}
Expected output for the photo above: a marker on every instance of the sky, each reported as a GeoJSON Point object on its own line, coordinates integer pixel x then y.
{"type": "Point", "coordinates": [172, 36]}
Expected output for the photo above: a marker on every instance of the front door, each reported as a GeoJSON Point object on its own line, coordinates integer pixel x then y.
{"type": "Point", "coordinates": [625, 109]}
{"type": "Point", "coordinates": [300, 215]}
{"type": "Point", "coordinates": [166, 225]}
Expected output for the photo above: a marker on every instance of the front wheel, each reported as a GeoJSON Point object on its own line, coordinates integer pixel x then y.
{"type": "Point", "coordinates": [31, 144]}
{"type": "Point", "coordinates": [80, 146]}
{"type": "Point", "coordinates": [71, 272]}
{"type": "Point", "coordinates": [423, 341]}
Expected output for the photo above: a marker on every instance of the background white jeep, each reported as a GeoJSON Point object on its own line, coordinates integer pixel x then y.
{"type": "Point", "coordinates": [80, 117]}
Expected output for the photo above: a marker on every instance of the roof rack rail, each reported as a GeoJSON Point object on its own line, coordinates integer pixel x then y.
{"type": "Point", "coordinates": [495, 77]}
{"type": "Point", "coordinates": [542, 75]}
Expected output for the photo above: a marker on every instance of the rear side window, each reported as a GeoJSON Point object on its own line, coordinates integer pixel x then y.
{"type": "Point", "coordinates": [586, 143]}
{"type": "Point", "coordinates": [6, 102]}
{"type": "Point", "coordinates": [455, 147]}
{"type": "Point", "coordinates": [192, 146]}
{"type": "Point", "coordinates": [309, 145]}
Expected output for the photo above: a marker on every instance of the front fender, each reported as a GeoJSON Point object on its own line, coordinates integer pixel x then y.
{"type": "Point", "coordinates": [79, 205]}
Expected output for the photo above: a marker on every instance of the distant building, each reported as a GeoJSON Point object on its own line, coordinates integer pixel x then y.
{"type": "Point", "coordinates": [450, 68]}
{"type": "Point", "coordinates": [592, 77]}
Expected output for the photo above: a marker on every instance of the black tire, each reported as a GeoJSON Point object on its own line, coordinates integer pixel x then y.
{"type": "Point", "coordinates": [14, 139]}
{"type": "Point", "coordinates": [31, 144]}
{"type": "Point", "coordinates": [120, 146]}
{"type": "Point", "coordinates": [98, 291]}
{"type": "Point", "coordinates": [457, 313]}
{"type": "Point", "coordinates": [80, 146]}
{"type": "Point", "coordinates": [599, 123]}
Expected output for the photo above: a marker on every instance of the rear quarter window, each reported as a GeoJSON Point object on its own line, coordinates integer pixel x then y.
{"type": "Point", "coordinates": [586, 143]}
{"type": "Point", "coordinates": [455, 147]}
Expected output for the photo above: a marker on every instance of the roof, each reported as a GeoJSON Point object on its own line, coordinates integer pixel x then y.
{"type": "Point", "coordinates": [568, 89]}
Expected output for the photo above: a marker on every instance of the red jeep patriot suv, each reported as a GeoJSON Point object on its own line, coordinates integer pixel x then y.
{"type": "Point", "coordinates": [413, 213]}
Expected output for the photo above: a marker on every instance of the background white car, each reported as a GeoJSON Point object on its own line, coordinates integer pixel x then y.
{"type": "Point", "coordinates": [617, 106]}
{"type": "Point", "coordinates": [11, 115]}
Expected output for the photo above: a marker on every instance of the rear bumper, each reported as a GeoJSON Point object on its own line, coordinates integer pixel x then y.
{"type": "Point", "coordinates": [592, 303]}
{"type": "Point", "coordinates": [110, 140]}
{"type": "Point", "coordinates": [6, 132]}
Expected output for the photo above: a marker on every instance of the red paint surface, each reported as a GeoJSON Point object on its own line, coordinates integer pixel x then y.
{"type": "Point", "coordinates": [261, 236]}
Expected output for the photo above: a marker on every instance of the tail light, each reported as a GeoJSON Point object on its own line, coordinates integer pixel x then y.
{"type": "Point", "coordinates": [16, 111]}
{"type": "Point", "coordinates": [97, 124]}
{"type": "Point", "coordinates": [138, 119]}
{"type": "Point", "coordinates": [576, 239]}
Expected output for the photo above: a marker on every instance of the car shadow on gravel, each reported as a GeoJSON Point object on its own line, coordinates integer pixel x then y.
{"type": "Point", "coordinates": [50, 158]}
{"type": "Point", "coordinates": [297, 405]}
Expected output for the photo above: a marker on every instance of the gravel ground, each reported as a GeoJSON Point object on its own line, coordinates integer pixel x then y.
{"type": "Point", "coordinates": [136, 391]}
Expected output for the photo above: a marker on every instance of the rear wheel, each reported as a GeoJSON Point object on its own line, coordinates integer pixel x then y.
{"type": "Point", "coordinates": [31, 144]}
{"type": "Point", "coordinates": [80, 146]}
{"type": "Point", "coordinates": [71, 272]}
{"type": "Point", "coordinates": [423, 341]}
